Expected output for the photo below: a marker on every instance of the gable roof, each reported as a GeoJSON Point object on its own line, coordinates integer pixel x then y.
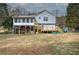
{"type": "Point", "coordinates": [25, 16]}
{"type": "Point", "coordinates": [44, 11]}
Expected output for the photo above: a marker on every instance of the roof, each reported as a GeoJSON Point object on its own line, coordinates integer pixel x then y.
{"type": "Point", "coordinates": [44, 11]}
{"type": "Point", "coordinates": [29, 16]}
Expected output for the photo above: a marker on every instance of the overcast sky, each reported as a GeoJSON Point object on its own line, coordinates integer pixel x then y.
{"type": "Point", "coordinates": [36, 7]}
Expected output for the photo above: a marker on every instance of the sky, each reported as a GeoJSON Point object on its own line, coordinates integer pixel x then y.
{"type": "Point", "coordinates": [36, 7]}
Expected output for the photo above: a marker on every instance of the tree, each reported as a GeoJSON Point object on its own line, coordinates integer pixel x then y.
{"type": "Point", "coordinates": [18, 10]}
{"type": "Point", "coordinates": [3, 12]}
{"type": "Point", "coordinates": [72, 15]}
{"type": "Point", "coordinates": [8, 23]}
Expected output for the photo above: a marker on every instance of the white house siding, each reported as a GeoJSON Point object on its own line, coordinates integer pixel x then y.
{"type": "Point", "coordinates": [47, 25]}
{"type": "Point", "coordinates": [22, 26]}
{"type": "Point", "coordinates": [51, 18]}
{"type": "Point", "coordinates": [48, 28]}
{"type": "Point", "coordinates": [22, 23]}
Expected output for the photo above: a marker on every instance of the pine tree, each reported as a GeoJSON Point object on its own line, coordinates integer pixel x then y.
{"type": "Point", "coordinates": [72, 15]}
{"type": "Point", "coordinates": [3, 12]}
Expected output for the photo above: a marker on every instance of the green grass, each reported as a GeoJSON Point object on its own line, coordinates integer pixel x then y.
{"type": "Point", "coordinates": [66, 49]}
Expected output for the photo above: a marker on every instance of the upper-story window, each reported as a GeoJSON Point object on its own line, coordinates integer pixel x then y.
{"type": "Point", "coordinates": [45, 19]}
{"type": "Point", "coordinates": [16, 20]}
{"type": "Point", "coordinates": [19, 20]}
{"type": "Point", "coordinates": [27, 20]}
{"type": "Point", "coordinates": [23, 20]}
{"type": "Point", "coordinates": [31, 20]}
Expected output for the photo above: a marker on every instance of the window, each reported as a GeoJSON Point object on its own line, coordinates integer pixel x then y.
{"type": "Point", "coordinates": [31, 20]}
{"type": "Point", "coordinates": [15, 20]}
{"type": "Point", "coordinates": [27, 20]}
{"type": "Point", "coordinates": [23, 20]}
{"type": "Point", "coordinates": [18, 20]}
{"type": "Point", "coordinates": [45, 19]}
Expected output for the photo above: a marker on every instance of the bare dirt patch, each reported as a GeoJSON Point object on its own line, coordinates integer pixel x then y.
{"type": "Point", "coordinates": [38, 44]}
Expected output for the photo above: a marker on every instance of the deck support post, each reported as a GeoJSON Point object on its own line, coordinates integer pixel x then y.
{"type": "Point", "coordinates": [13, 29]}
{"type": "Point", "coordinates": [19, 29]}
{"type": "Point", "coordinates": [33, 29]}
{"type": "Point", "coordinates": [30, 29]}
{"type": "Point", "coordinates": [25, 29]}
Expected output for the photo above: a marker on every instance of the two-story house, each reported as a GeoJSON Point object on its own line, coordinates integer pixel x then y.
{"type": "Point", "coordinates": [24, 24]}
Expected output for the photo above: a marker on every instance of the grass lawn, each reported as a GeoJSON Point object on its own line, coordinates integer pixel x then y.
{"type": "Point", "coordinates": [40, 44]}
